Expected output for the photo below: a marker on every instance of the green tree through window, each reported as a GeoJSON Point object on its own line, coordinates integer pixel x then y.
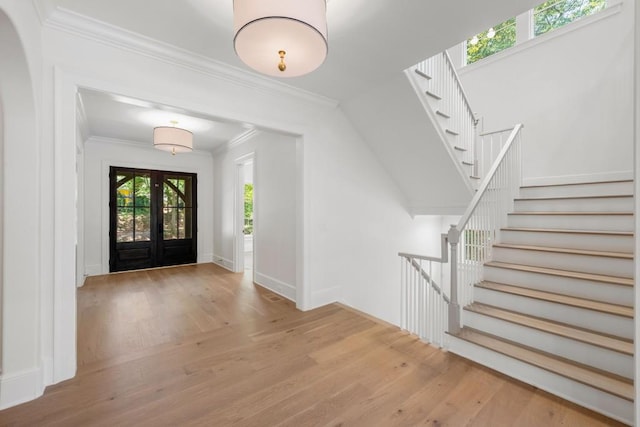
{"type": "Point", "coordinates": [547, 16]}
{"type": "Point", "coordinates": [248, 209]}
{"type": "Point", "coordinates": [491, 41]}
{"type": "Point", "coordinates": [556, 13]}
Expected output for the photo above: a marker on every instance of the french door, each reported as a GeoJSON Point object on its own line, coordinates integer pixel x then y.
{"type": "Point", "coordinates": [153, 218]}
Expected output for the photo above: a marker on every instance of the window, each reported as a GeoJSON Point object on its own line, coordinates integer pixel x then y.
{"type": "Point", "coordinates": [556, 13]}
{"type": "Point", "coordinates": [543, 18]}
{"type": "Point", "coordinates": [493, 40]}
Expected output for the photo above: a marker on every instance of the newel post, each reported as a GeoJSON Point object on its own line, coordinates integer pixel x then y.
{"type": "Point", "coordinates": [454, 307]}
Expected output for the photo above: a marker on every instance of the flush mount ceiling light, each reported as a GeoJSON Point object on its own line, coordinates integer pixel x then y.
{"type": "Point", "coordinates": [281, 38]}
{"type": "Point", "coordinates": [172, 139]}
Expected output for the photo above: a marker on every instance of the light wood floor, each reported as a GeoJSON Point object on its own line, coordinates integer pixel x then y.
{"type": "Point", "coordinates": [197, 345]}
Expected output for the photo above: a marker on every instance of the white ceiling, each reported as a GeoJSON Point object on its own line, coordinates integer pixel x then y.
{"type": "Point", "coordinates": [121, 118]}
{"type": "Point", "coordinates": [369, 40]}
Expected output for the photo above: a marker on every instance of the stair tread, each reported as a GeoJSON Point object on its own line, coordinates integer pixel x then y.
{"type": "Point", "coordinates": [452, 132]}
{"type": "Point", "coordinates": [443, 114]}
{"type": "Point", "coordinates": [618, 310]}
{"type": "Point", "coordinates": [624, 281]}
{"type": "Point", "coordinates": [601, 380]}
{"type": "Point", "coordinates": [433, 95]}
{"type": "Point", "coordinates": [455, 147]}
{"type": "Point", "coordinates": [622, 255]}
{"type": "Point", "coordinates": [616, 344]}
{"type": "Point", "coordinates": [606, 196]}
{"type": "Point", "coordinates": [467, 163]}
{"type": "Point", "coordinates": [570, 213]}
{"type": "Point", "coordinates": [560, 230]}
{"type": "Point", "coordinates": [422, 74]}
{"type": "Point", "coordinates": [577, 183]}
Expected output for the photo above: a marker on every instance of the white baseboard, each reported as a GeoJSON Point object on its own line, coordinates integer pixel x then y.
{"type": "Point", "coordinates": [281, 288]}
{"type": "Point", "coordinates": [93, 270]}
{"type": "Point", "coordinates": [578, 179]}
{"type": "Point", "coordinates": [325, 296]}
{"type": "Point", "coordinates": [205, 258]}
{"type": "Point", "coordinates": [20, 387]}
{"type": "Point", "coordinates": [222, 262]}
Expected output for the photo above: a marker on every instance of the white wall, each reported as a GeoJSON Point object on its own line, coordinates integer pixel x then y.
{"type": "Point", "coordinates": [99, 156]}
{"type": "Point", "coordinates": [275, 215]}
{"type": "Point", "coordinates": [275, 197]}
{"type": "Point", "coordinates": [25, 356]}
{"type": "Point", "coordinates": [571, 90]}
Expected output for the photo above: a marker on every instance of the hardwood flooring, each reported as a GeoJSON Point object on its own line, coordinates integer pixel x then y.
{"type": "Point", "coordinates": [199, 346]}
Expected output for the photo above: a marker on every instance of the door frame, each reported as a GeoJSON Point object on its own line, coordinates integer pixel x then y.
{"type": "Point", "coordinates": [156, 238]}
{"type": "Point", "coordinates": [238, 213]}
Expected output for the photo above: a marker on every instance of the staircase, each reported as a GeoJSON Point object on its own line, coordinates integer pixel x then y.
{"type": "Point", "coordinates": [438, 87]}
{"type": "Point", "coordinates": [555, 304]}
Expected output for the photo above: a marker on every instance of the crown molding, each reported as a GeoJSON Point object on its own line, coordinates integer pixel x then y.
{"type": "Point", "coordinates": [237, 141]}
{"type": "Point", "coordinates": [44, 9]}
{"type": "Point", "coordinates": [141, 145]}
{"type": "Point", "coordinates": [71, 22]}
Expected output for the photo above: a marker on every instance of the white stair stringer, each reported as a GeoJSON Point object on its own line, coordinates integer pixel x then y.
{"type": "Point", "coordinates": [574, 391]}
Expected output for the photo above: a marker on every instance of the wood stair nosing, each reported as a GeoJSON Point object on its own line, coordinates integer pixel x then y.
{"type": "Point", "coordinates": [616, 344]}
{"type": "Point", "coordinates": [613, 309]}
{"type": "Point", "coordinates": [574, 213]}
{"type": "Point", "coordinates": [458, 148]}
{"type": "Point", "coordinates": [452, 132]}
{"type": "Point", "coordinates": [568, 231]}
{"type": "Point", "coordinates": [613, 280]}
{"type": "Point", "coordinates": [576, 183]}
{"type": "Point", "coordinates": [422, 74]}
{"type": "Point", "coordinates": [443, 114]}
{"type": "Point", "coordinates": [474, 177]}
{"type": "Point", "coordinates": [596, 378]}
{"type": "Point", "coordinates": [464, 162]}
{"type": "Point", "coordinates": [621, 255]}
{"type": "Point", "coordinates": [604, 196]}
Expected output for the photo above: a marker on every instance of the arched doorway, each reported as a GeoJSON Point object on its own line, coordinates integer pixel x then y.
{"type": "Point", "coordinates": [22, 353]}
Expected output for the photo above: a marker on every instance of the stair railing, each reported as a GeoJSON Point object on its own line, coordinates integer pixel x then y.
{"type": "Point", "coordinates": [479, 227]}
{"type": "Point", "coordinates": [423, 307]}
{"type": "Point", "coordinates": [486, 150]}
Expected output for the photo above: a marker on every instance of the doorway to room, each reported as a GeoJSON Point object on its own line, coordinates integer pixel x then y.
{"type": "Point", "coordinates": [152, 218]}
{"type": "Point", "coordinates": [247, 229]}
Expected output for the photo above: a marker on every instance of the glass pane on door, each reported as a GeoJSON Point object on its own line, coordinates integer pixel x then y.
{"type": "Point", "coordinates": [133, 207]}
{"type": "Point", "coordinates": [177, 207]}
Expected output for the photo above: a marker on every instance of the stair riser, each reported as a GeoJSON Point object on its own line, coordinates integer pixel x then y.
{"type": "Point", "coordinates": [596, 242]}
{"type": "Point", "coordinates": [598, 291]}
{"type": "Point", "coordinates": [578, 190]}
{"type": "Point", "coordinates": [604, 204]}
{"type": "Point", "coordinates": [580, 317]}
{"type": "Point", "coordinates": [597, 400]}
{"type": "Point", "coordinates": [572, 262]}
{"type": "Point", "coordinates": [587, 354]}
{"type": "Point", "coordinates": [573, 222]}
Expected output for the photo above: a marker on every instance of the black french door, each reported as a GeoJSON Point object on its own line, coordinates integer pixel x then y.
{"type": "Point", "coordinates": [153, 218]}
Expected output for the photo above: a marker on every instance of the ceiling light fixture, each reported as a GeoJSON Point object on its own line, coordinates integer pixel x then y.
{"type": "Point", "coordinates": [281, 38]}
{"type": "Point", "coordinates": [172, 139]}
